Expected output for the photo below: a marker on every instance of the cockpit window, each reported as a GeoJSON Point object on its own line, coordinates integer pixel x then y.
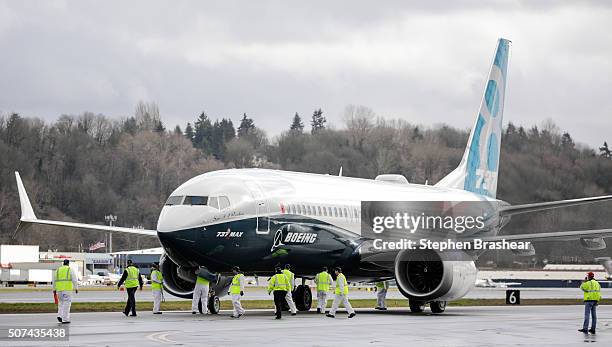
{"type": "Point", "coordinates": [196, 200]}
{"type": "Point", "coordinates": [174, 200]}
{"type": "Point", "coordinates": [223, 202]}
{"type": "Point", "coordinates": [213, 202]}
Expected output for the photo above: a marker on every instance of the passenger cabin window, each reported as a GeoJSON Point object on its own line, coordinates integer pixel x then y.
{"type": "Point", "coordinates": [196, 200]}
{"type": "Point", "coordinates": [174, 200]}
{"type": "Point", "coordinates": [224, 202]}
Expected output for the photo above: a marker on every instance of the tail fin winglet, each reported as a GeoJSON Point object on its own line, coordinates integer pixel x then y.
{"type": "Point", "coordinates": [27, 212]}
{"type": "Point", "coordinates": [477, 171]}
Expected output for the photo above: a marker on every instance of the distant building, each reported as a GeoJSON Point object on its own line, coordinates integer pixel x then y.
{"type": "Point", "coordinates": [142, 259]}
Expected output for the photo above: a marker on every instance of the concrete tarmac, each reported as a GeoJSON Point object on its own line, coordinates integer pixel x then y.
{"type": "Point", "coordinates": [458, 326]}
{"type": "Point", "coordinates": [253, 293]}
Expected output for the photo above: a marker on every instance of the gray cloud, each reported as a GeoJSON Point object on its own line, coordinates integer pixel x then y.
{"type": "Point", "coordinates": [422, 62]}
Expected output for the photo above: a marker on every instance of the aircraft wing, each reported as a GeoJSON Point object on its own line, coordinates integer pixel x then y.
{"type": "Point", "coordinates": [28, 218]}
{"type": "Point", "coordinates": [553, 236]}
{"type": "Point", "coordinates": [541, 206]}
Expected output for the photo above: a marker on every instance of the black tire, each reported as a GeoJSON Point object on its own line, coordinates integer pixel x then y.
{"type": "Point", "coordinates": [214, 304]}
{"type": "Point", "coordinates": [437, 306]}
{"type": "Point", "coordinates": [302, 298]}
{"type": "Point", "coordinates": [416, 306]}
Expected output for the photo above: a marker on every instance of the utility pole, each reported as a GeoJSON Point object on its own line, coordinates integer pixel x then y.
{"type": "Point", "coordinates": [110, 219]}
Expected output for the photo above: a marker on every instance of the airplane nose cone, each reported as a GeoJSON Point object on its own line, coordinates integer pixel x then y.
{"type": "Point", "coordinates": [180, 217]}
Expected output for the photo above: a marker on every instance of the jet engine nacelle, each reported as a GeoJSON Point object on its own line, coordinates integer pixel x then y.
{"type": "Point", "coordinates": [427, 275]}
{"type": "Point", "coordinates": [180, 281]}
{"type": "Point", "coordinates": [593, 243]}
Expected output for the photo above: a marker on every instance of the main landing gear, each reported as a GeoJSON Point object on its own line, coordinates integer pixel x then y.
{"type": "Point", "coordinates": [419, 306]}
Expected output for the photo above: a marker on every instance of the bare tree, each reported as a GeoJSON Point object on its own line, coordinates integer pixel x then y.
{"type": "Point", "coordinates": [358, 120]}
{"type": "Point", "coordinates": [147, 115]}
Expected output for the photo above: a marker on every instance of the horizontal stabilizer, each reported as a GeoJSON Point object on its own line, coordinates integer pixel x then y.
{"type": "Point", "coordinates": [541, 206]}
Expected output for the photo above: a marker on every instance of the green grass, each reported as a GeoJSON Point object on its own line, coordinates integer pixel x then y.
{"type": "Point", "coordinates": [185, 305]}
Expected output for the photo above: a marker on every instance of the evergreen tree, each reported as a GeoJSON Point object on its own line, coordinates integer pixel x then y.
{"type": "Point", "coordinates": [416, 134]}
{"type": "Point", "coordinates": [203, 133]}
{"type": "Point", "coordinates": [604, 151]}
{"type": "Point", "coordinates": [189, 134]}
{"type": "Point", "coordinates": [297, 126]}
{"type": "Point", "coordinates": [177, 130]}
{"type": "Point", "coordinates": [159, 127]}
{"type": "Point", "coordinates": [246, 126]}
{"type": "Point", "coordinates": [130, 126]}
{"type": "Point", "coordinates": [318, 121]}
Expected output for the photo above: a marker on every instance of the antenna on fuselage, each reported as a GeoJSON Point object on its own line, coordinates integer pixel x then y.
{"type": "Point", "coordinates": [340, 173]}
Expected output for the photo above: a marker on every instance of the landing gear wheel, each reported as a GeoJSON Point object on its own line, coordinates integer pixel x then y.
{"type": "Point", "coordinates": [437, 306]}
{"type": "Point", "coordinates": [302, 298]}
{"type": "Point", "coordinates": [416, 306]}
{"type": "Point", "coordinates": [214, 304]}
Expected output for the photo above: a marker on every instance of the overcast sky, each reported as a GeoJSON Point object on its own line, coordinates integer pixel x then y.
{"type": "Point", "coordinates": [425, 63]}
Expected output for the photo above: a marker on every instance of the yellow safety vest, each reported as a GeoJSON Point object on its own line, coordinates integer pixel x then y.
{"type": "Point", "coordinates": [278, 282]}
{"type": "Point", "coordinates": [160, 277]}
{"type": "Point", "coordinates": [323, 281]}
{"type": "Point", "coordinates": [132, 277]}
{"type": "Point", "coordinates": [592, 290]}
{"type": "Point", "coordinates": [63, 278]}
{"type": "Point", "coordinates": [235, 287]}
{"type": "Point", "coordinates": [382, 285]}
{"type": "Point", "coordinates": [342, 279]}
{"type": "Point", "coordinates": [201, 280]}
{"type": "Point", "coordinates": [290, 277]}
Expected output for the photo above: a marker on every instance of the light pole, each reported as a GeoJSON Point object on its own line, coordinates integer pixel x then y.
{"type": "Point", "coordinates": [110, 219]}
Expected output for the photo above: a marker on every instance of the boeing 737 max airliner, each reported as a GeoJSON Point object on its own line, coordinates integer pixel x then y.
{"type": "Point", "coordinates": [256, 219]}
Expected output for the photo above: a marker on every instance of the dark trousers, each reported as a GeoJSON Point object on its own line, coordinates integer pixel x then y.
{"type": "Point", "coordinates": [279, 298]}
{"type": "Point", "coordinates": [131, 301]}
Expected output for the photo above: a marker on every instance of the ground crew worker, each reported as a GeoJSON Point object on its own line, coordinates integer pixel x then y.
{"type": "Point", "coordinates": [289, 295]}
{"type": "Point", "coordinates": [323, 280]}
{"type": "Point", "coordinates": [280, 286]}
{"type": "Point", "coordinates": [157, 280]}
{"type": "Point", "coordinates": [381, 295]}
{"type": "Point", "coordinates": [132, 279]}
{"type": "Point", "coordinates": [592, 295]}
{"type": "Point", "coordinates": [200, 292]}
{"type": "Point", "coordinates": [64, 282]}
{"type": "Point", "coordinates": [236, 292]}
{"type": "Point", "coordinates": [341, 295]}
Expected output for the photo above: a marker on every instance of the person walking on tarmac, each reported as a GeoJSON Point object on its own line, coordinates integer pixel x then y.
{"type": "Point", "coordinates": [341, 295]}
{"type": "Point", "coordinates": [592, 295]}
{"type": "Point", "coordinates": [200, 292]}
{"type": "Point", "coordinates": [236, 292]}
{"type": "Point", "coordinates": [323, 280]}
{"type": "Point", "coordinates": [289, 295]}
{"type": "Point", "coordinates": [64, 282]}
{"type": "Point", "coordinates": [381, 295]}
{"type": "Point", "coordinates": [157, 280]}
{"type": "Point", "coordinates": [280, 286]}
{"type": "Point", "coordinates": [132, 279]}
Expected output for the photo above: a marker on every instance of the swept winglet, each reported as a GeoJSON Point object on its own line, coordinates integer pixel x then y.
{"type": "Point", "coordinates": [27, 212]}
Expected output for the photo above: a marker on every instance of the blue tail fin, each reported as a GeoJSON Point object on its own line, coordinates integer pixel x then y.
{"type": "Point", "coordinates": [477, 171]}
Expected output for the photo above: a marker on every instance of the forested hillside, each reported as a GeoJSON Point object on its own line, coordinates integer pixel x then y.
{"type": "Point", "coordinates": [83, 167]}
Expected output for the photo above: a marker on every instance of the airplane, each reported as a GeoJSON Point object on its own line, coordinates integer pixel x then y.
{"type": "Point", "coordinates": [490, 283]}
{"type": "Point", "coordinates": [258, 218]}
